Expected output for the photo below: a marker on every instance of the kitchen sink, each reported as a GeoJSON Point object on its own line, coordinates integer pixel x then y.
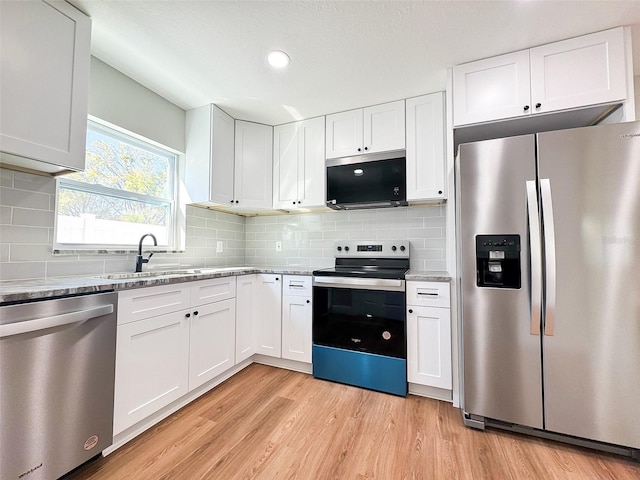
{"type": "Point", "coordinates": [169, 273]}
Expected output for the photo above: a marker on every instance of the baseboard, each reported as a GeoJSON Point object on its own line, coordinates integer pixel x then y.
{"type": "Point", "coordinates": [431, 392]}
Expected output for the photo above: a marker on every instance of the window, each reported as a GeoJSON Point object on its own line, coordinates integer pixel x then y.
{"type": "Point", "coordinates": [128, 189]}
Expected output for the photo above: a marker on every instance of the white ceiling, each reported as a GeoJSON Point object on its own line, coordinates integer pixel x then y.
{"type": "Point", "coordinates": [344, 54]}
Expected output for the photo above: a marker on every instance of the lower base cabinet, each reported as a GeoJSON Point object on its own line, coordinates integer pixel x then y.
{"type": "Point", "coordinates": [296, 328]}
{"type": "Point", "coordinates": [160, 358]}
{"type": "Point", "coordinates": [268, 318]}
{"type": "Point", "coordinates": [151, 367]}
{"type": "Point", "coordinates": [429, 334]}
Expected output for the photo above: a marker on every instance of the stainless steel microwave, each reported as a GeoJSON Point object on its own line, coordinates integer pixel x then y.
{"type": "Point", "coordinates": [373, 180]}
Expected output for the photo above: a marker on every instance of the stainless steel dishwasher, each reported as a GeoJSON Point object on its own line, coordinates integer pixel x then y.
{"type": "Point", "coordinates": [57, 368]}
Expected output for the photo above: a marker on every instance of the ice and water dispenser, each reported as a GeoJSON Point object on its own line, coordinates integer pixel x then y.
{"type": "Point", "coordinates": [498, 261]}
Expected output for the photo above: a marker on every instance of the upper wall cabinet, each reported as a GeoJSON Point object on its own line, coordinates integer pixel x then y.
{"type": "Point", "coordinates": [45, 58]}
{"type": "Point", "coordinates": [229, 162]}
{"type": "Point", "coordinates": [298, 164]}
{"type": "Point", "coordinates": [573, 73]}
{"type": "Point", "coordinates": [253, 166]}
{"type": "Point", "coordinates": [210, 155]}
{"type": "Point", "coordinates": [373, 129]}
{"type": "Point", "coordinates": [425, 148]}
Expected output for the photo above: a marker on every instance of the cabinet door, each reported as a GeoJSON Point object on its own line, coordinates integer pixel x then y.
{"type": "Point", "coordinates": [152, 364]}
{"type": "Point", "coordinates": [425, 147]}
{"type": "Point", "coordinates": [429, 346]}
{"type": "Point", "coordinates": [296, 328]}
{"type": "Point", "coordinates": [45, 77]}
{"type": "Point", "coordinates": [492, 89]}
{"type": "Point", "coordinates": [384, 127]}
{"type": "Point", "coordinates": [253, 166]}
{"type": "Point", "coordinates": [268, 322]}
{"type": "Point", "coordinates": [311, 166]}
{"type": "Point", "coordinates": [246, 314]}
{"type": "Point", "coordinates": [222, 157]}
{"type": "Point", "coordinates": [344, 134]}
{"type": "Point", "coordinates": [285, 166]}
{"type": "Point", "coordinates": [213, 339]}
{"type": "Point", "coordinates": [580, 71]}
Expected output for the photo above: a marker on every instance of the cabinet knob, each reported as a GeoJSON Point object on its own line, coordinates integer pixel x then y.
{"type": "Point", "coordinates": [366, 148]}
{"type": "Point", "coordinates": [294, 202]}
{"type": "Point", "coordinates": [359, 149]}
{"type": "Point", "coordinates": [196, 312]}
{"type": "Point", "coordinates": [299, 201]}
{"type": "Point", "coordinates": [237, 201]}
{"type": "Point", "coordinates": [439, 192]}
{"type": "Point", "coordinates": [538, 105]}
{"type": "Point", "coordinates": [231, 201]}
{"type": "Point", "coordinates": [410, 310]}
{"type": "Point", "coordinates": [308, 301]}
{"type": "Point", "coordinates": [277, 279]}
{"type": "Point", "coordinates": [188, 315]}
{"type": "Point", "coordinates": [526, 107]}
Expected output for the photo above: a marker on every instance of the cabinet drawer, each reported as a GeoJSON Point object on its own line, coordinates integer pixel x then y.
{"type": "Point", "coordinates": [296, 285]}
{"type": "Point", "coordinates": [214, 290]}
{"type": "Point", "coordinates": [149, 302]}
{"type": "Point", "coordinates": [428, 294]}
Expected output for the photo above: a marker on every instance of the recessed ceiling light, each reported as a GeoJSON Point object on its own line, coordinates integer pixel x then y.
{"type": "Point", "coordinates": [278, 59]}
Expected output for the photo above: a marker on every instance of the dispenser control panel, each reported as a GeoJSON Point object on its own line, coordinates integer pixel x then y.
{"type": "Point", "coordinates": [498, 261]}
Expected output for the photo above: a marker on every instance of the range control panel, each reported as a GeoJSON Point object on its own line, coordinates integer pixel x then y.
{"type": "Point", "coordinates": [371, 249]}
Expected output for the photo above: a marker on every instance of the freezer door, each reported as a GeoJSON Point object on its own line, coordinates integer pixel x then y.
{"type": "Point", "coordinates": [502, 367]}
{"type": "Point", "coordinates": [590, 189]}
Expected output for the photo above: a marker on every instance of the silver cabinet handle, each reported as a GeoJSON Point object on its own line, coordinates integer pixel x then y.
{"type": "Point", "coordinates": [550, 258]}
{"type": "Point", "coordinates": [536, 257]}
{"type": "Point", "coordinates": [55, 321]}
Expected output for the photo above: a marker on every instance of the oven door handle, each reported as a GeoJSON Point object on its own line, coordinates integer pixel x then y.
{"type": "Point", "coordinates": [360, 283]}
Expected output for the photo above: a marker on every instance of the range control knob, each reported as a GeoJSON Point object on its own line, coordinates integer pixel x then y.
{"type": "Point", "coordinates": [346, 249]}
{"type": "Point", "coordinates": [339, 248]}
{"type": "Point", "coordinates": [394, 248]}
{"type": "Point", "coordinates": [402, 249]}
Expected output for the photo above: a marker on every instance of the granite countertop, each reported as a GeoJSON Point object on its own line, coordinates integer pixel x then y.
{"type": "Point", "coordinates": [21, 290]}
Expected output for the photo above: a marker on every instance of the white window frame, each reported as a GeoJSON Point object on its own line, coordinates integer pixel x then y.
{"type": "Point", "coordinates": [176, 227]}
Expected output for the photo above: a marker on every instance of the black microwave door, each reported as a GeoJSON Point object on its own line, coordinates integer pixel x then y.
{"type": "Point", "coordinates": [377, 181]}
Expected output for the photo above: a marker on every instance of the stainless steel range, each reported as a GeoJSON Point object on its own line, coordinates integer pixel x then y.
{"type": "Point", "coordinates": [359, 320]}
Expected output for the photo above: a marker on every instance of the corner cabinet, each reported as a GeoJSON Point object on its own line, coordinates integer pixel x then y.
{"type": "Point", "coordinates": [577, 72]}
{"type": "Point", "coordinates": [45, 58]}
{"type": "Point", "coordinates": [378, 128]}
{"type": "Point", "coordinates": [429, 334]}
{"type": "Point", "coordinates": [426, 148]}
{"type": "Point", "coordinates": [298, 164]}
{"type": "Point", "coordinates": [268, 323]}
{"type": "Point", "coordinates": [228, 162]}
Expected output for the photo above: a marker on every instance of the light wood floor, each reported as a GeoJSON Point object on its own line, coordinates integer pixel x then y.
{"type": "Point", "coordinates": [269, 423]}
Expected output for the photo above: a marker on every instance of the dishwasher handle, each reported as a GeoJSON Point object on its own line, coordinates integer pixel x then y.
{"type": "Point", "coordinates": [29, 326]}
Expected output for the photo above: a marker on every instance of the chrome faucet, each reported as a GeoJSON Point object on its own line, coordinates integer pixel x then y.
{"type": "Point", "coordinates": [139, 259]}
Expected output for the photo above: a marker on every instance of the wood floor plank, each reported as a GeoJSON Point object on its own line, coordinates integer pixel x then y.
{"type": "Point", "coordinates": [267, 423]}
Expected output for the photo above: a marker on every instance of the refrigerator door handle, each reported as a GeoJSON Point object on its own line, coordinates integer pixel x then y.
{"type": "Point", "coordinates": [536, 256]}
{"type": "Point", "coordinates": [550, 256]}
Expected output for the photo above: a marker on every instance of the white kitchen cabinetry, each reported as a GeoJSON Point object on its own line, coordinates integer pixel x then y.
{"type": "Point", "coordinates": [247, 312]}
{"type": "Point", "coordinates": [268, 323]}
{"type": "Point", "coordinates": [253, 166]}
{"type": "Point", "coordinates": [429, 334]}
{"type": "Point", "coordinates": [378, 128]}
{"type": "Point", "coordinates": [297, 310]}
{"type": "Point", "coordinates": [298, 164]}
{"type": "Point", "coordinates": [212, 329]}
{"type": "Point", "coordinates": [578, 72]}
{"type": "Point", "coordinates": [45, 58]}
{"type": "Point", "coordinates": [228, 162]}
{"type": "Point", "coordinates": [210, 155]}
{"type": "Point", "coordinates": [171, 339]}
{"type": "Point", "coordinates": [425, 148]}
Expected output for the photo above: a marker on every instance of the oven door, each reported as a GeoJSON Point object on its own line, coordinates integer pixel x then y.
{"type": "Point", "coordinates": [359, 333]}
{"type": "Point", "coordinates": [363, 316]}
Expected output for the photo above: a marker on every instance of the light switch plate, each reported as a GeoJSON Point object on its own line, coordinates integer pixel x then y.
{"type": "Point", "coordinates": [219, 247]}
{"type": "Point", "coordinates": [278, 246]}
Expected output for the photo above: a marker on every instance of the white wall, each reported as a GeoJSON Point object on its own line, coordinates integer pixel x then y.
{"type": "Point", "coordinates": [636, 86]}
{"type": "Point", "coordinates": [119, 100]}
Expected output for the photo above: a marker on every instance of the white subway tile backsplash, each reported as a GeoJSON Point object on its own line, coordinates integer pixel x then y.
{"type": "Point", "coordinates": [307, 239]}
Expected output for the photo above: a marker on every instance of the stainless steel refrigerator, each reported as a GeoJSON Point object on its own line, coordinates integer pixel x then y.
{"type": "Point", "coordinates": [549, 240]}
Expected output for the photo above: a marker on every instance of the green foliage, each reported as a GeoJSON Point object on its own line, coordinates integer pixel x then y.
{"type": "Point", "coordinates": [124, 168]}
